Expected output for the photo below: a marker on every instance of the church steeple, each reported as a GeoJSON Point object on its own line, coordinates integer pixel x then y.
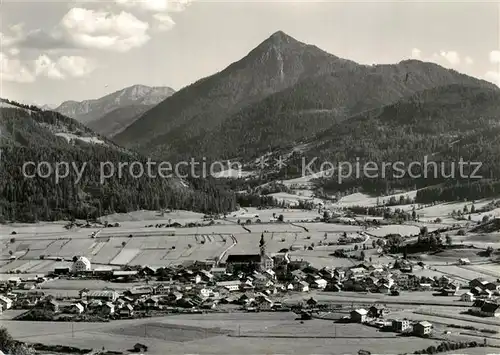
{"type": "Point", "coordinates": [262, 245]}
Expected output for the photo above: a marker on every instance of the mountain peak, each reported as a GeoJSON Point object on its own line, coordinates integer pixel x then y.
{"type": "Point", "coordinates": [280, 36]}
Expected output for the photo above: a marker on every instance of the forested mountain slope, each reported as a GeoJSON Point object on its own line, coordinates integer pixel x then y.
{"type": "Point", "coordinates": [289, 117]}
{"type": "Point", "coordinates": [441, 125]}
{"type": "Point", "coordinates": [31, 135]}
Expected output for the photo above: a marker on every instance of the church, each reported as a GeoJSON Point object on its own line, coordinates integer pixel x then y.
{"type": "Point", "coordinates": [259, 262]}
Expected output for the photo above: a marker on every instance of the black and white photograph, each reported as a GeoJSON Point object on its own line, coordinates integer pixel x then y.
{"type": "Point", "coordinates": [249, 177]}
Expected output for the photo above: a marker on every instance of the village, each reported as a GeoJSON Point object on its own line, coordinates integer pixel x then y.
{"type": "Point", "coordinates": [306, 273]}
{"type": "Point", "coordinates": [244, 283]}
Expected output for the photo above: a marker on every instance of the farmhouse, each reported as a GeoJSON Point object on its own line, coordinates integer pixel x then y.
{"type": "Point", "coordinates": [377, 312]}
{"type": "Point", "coordinates": [492, 286]}
{"type": "Point", "coordinates": [401, 325]}
{"type": "Point", "coordinates": [81, 264]}
{"type": "Point", "coordinates": [5, 302]}
{"type": "Point", "coordinates": [301, 286]}
{"type": "Point", "coordinates": [477, 283]}
{"type": "Point", "coordinates": [467, 297]}
{"type": "Point", "coordinates": [359, 315]}
{"type": "Point", "coordinates": [75, 308]}
{"type": "Point", "coordinates": [384, 288]}
{"type": "Point", "coordinates": [126, 311]}
{"type": "Point", "coordinates": [422, 329]}
{"type": "Point", "coordinates": [108, 309]}
{"type": "Point", "coordinates": [486, 308]}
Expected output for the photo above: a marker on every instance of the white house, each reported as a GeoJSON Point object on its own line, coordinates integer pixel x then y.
{"type": "Point", "coordinates": [320, 283]}
{"type": "Point", "coordinates": [76, 308]}
{"type": "Point", "coordinates": [302, 286]}
{"type": "Point", "coordinates": [5, 302]}
{"type": "Point", "coordinates": [467, 297]}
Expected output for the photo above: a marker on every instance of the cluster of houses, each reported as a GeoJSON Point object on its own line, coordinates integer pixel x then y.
{"type": "Point", "coordinates": [374, 316]}
{"type": "Point", "coordinates": [483, 294]}
{"type": "Point", "coordinates": [249, 280]}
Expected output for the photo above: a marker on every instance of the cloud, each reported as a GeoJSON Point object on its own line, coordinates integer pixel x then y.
{"type": "Point", "coordinates": [76, 66]}
{"type": "Point", "coordinates": [161, 9]}
{"type": "Point", "coordinates": [104, 30]}
{"type": "Point", "coordinates": [416, 53]}
{"type": "Point", "coordinates": [493, 76]}
{"type": "Point", "coordinates": [14, 51]}
{"type": "Point", "coordinates": [156, 5]}
{"type": "Point", "coordinates": [14, 70]}
{"type": "Point", "coordinates": [44, 66]}
{"type": "Point", "coordinates": [452, 57]}
{"type": "Point", "coordinates": [495, 57]}
{"type": "Point", "coordinates": [86, 29]}
{"type": "Point", "coordinates": [448, 59]}
{"type": "Point", "coordinates": [64, 67]}
{"type": "Point", "coordinates": [164, 22]}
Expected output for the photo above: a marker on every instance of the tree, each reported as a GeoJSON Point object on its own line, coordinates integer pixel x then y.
{"type": "Point", "coordinates": [123, 244]}
{"type": "Point", "coordinates": [461, 232]}
{"type": "Point", "coordinates": [448, 239]}
{"type": "Point", "coordinates": [473, 209]}
{"type": "Point", "coordinates": [489, 251]}
{"type": "Point", "coordinates": [6, 339]}
{"type": "Point", "coordinates": [75, 258]}
{"type": "Point", "coordinates": [262, 241]}
{"type": "Point", "coordinates": [356, 247]}
{"type": "Point", "coordinates": [374, 243]}
{"type": "Point", "coordinates": [12, 240]}
{"type": "Point", "coordinates": [363, 255]}
{"type": "Point", "coordinates": [485, 219]}
{"type": "Point", "coordinates": [10, 346]}
{"type": "Point", "coordinates": [281, 218]}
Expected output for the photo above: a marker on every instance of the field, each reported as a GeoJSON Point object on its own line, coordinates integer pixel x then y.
{"type": "Point", "coordinates": [137, 242]}
{"type": "Point", "coordinates": [261, 333]}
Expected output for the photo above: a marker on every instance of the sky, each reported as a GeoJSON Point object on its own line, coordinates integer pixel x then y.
{"type": "Point", "coordinates": [53, 51]}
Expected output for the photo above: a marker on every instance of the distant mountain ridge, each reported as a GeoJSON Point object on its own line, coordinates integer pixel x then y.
{"type": "Point", "coordinates": [283, 92]}
{"type": "Point", "coordinates": [117, 120]}
{"type": "Point", "coordinates": [91, 110]}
